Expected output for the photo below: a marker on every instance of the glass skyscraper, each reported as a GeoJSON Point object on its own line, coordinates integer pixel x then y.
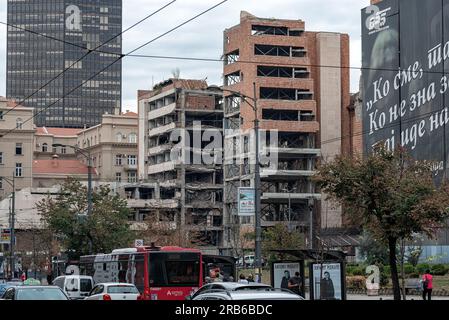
{"type": "Point", "coordinates": [33, 60]}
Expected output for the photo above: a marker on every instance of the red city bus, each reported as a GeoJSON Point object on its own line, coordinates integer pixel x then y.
{"type": "Point", "coordinates": [159, 273]}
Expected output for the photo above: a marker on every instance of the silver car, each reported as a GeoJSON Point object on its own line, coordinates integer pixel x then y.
{"type": "Point", "coordinates": [271, 294]}
{"type": "Point", "coordinates": [230, 286]}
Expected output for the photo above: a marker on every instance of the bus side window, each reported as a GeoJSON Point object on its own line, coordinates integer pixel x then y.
{"type": "Point", "coordinates": [139, 275]}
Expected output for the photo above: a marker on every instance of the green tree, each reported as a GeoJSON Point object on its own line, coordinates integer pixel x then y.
{"type": "Point", "coordinates": [279, 237]}
{"type": "Point", "coordinates": [105, 229]}
{"type": "Point", "coordinates": [391, 194]}
{"type": "Point", "coordinates": [374, 251]}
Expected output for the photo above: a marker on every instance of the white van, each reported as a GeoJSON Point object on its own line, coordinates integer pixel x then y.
{"type": "Point", "coordinates": [75, 286]}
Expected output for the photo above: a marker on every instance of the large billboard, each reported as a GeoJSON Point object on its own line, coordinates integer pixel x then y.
{"type": "Point", "coordinates": [405, 50]}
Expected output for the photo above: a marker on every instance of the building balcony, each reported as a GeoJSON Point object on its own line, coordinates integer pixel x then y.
{"type": "Point", "coordinates": [281, 151]}
{"type": "Point", "coordinates": [169, 109]}
{"type": "Point", "coordinates": [152, 203]}
{"type": "Point", "coordinates": [273, 173]}
{"type": "Point", "coordinates": [130, 167]}
{"type": "Point", "coordinates": [162, 129]}
{"type": "Point", "coordinates": [282, 197]}
{"type": "Point", "coordinates": [162, 167]}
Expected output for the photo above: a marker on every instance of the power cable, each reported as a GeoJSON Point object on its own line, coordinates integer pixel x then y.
{"type": "Point", "coordinates": [115, 61]}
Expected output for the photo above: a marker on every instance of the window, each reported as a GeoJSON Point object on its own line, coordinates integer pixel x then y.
{"type": "Point", "coordinates": [19, 124]}
{"type": "Point", "coordinates": [1, 114]}
{"type": "Point", "coordinates": [18, 170]}
{"type": "Point", "coordinates": [19, 149]}
{"type": "Point", "coordinates": [132, 160]}
{"type": "Point", "coordinates": [118, 176]}
{"type": "Point", "coordinates": [1, 157]}
{"type": "Point", "coordinates": [119, 137]}
{"type": "Point", "coordinates": [45, 147]}
{"type": "Point", "coordinates": [54, 150]}
{"type": "Point", "coordinates": [132, 177]}
{"type": "Point", "coordinates": [1, 183]}
{"type": "Point", "coordinates": [132, 138]}
{"type": "Point", "coordinates": [118, 160]}
{"type": "Point", "coordinates": [63, 150]}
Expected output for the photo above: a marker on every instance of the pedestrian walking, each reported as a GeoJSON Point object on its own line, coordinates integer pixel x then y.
{"type": "Point", "coordinates": [427, 283]}
{"type": "Point", "coordinates": [242, 279]}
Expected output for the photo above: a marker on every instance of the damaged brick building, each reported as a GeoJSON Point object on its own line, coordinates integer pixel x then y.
{"type": "Point", "coordinates": [301, 82]}
{"type": "Point", "coordinates": [177, 183]}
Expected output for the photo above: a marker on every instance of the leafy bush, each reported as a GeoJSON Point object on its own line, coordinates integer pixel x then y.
{"type": "Point", "coordinates": [422, 267]}
{"type": "Point", "coordinates": [439, 269]}
{"type": "Point", "coordinates": [355, 270]}
{"type": "Point", "coordinates": [408, 269]}
{"type": "Point", "coordinates": [355, 282]}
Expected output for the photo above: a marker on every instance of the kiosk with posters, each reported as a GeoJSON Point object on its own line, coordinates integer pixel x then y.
{"type": "Point", "coordinates": [327, 279]}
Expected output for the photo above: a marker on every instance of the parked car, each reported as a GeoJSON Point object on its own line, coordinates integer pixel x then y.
{"type": "Point", "coordinates": [269, 294]}
{"type": "Point", "coordinates": [230, 286]}
{"type": "Point", "coordinates": [34, 293]}
{"type": "Point", "coordinates": [114, 291]}
{"type": "Point", "coordinates": [75, 286]}
{"type": "Point", "coordinates": [4, 286]}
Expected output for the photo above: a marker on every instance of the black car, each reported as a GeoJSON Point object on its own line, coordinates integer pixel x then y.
{"type": "Point", "coordinates": [34, 293]}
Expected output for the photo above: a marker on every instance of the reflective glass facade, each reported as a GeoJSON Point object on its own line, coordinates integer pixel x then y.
{"type": "Point", "coordinates": [33, 60]}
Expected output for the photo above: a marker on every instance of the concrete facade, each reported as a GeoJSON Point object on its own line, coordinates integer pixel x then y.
{"type": "Point", "coordinates": [113, 147]}
{"type": "Point", "coordinates": [175, 183]}
{"type": "Point", "coordinates": [305, 103]}
{"type": "Point", "coordinates": [16, 146]}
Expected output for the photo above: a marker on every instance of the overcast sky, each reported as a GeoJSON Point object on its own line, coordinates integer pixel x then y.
{"type": "Point", "coordinates": [203, 36]}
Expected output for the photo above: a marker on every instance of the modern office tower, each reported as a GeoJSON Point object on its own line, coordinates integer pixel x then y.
{"type": "Point", "coordinates": [46, 37]}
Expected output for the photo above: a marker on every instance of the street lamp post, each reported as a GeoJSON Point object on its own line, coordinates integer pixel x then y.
{"type": "Point", "coordinates": [257, 189]}
{"type": "Point", "coordinates": [12, 183]}
{"type": "Point", "coordinates": [289, 206]}
{"type": "Point", "coordinates": [87, 155]}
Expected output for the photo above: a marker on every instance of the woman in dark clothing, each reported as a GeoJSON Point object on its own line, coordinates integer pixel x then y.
{"type": "Point", "coordinates": [327, 287]}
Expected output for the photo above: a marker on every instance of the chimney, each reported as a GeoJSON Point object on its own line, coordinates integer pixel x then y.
{"type": "Point", "coordinates": [54, 161]}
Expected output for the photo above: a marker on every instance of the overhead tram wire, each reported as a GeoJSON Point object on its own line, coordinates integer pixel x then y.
{"type": "Point", "coordinates": [115, 61]}
{"type": "Point", "coordinates": [89, 51]}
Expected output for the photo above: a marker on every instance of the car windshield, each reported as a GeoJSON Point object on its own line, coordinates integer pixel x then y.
{"type": "Point", "coordinates": [122, 289]}
{"type": "Point", "coordinates": [40, 294]}
{"type": "Point", "coordinates": [85, 285]}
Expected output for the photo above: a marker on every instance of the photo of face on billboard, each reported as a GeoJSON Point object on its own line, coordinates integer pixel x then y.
{"type": "Point", "coordinates": [327, 281]}
{"type": "Point", "coordinates": [284, 272]}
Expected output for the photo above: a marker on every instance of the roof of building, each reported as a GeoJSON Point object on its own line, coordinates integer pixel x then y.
{"type": "Point", "coordinates": [57, 131]}
{"type": "Point", "coordinates": [61, 167]}
{"type": "Point", "coordinates": [11, 103]}
{"type": "Point", "coordinates": [187, 84]}
{"type": "Point", "coordinates": [130, 114]}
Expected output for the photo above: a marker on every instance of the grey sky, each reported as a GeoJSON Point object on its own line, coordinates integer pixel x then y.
{"type": "Point", "coordinates": [203, 37]}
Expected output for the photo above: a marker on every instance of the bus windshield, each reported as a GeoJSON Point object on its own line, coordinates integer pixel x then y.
{"type": "Point", "coordinates": [174, 269]}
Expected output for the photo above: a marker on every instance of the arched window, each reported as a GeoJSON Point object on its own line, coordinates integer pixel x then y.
{"type": "Point", "coordinates": [119, 137]}
{"type": "Point", "coordinates": [132, 138]}
{"type": "Point", "coordinates": [19, 123]}
{"type": "Point", "coordinates": [45, 147]}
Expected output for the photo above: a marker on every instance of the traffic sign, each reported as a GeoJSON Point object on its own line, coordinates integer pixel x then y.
{"type": "Point", "coordinates": [138, 243]}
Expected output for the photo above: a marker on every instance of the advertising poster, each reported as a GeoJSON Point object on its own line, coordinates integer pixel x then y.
{"type": "Point", "coordinates": [5, 236]}
{"type": "Point", "coordinates": [327, 282]}
{"type": "Point", "coordinates": [283, 271]}
{"type": "Point", "coordinates": [247, 202]}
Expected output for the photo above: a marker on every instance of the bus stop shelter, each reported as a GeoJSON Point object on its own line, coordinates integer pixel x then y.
{"type": "Point", "coordinates": [326, 272]}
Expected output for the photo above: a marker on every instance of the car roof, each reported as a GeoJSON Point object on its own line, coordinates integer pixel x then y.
{"type": "Point", "coordinates": [235, 285]}
{"type": "Point", "coordinates": [108, 284]}
{"type": "Point", "coordinates": [265, 295]}
{"type": "Point", "coordinates": [37, 287]}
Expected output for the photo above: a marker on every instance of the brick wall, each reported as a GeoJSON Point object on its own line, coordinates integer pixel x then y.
{"type": "Point", "coordinates": [200, 102]}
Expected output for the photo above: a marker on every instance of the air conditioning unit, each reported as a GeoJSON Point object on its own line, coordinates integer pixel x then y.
{"type": "Point", "coordinates": [38, 145]}
{"type": "Point", "coordinates": [124, 136]}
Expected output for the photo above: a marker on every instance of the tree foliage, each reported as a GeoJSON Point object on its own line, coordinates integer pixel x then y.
{"type": "Point", "coordinates": [279, 237]}
{"type": "Point", "coordinates": [107, 228]}
{"type": "Point", "coordinates": [391, 194]}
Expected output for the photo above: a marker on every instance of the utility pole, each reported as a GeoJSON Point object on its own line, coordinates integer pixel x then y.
{"type": "Point", "coordinates": [310, 223]}
{"type": "Point", "coordinates": [257, 191]}
{"type": "Point", "coordinates": [12, 225]}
